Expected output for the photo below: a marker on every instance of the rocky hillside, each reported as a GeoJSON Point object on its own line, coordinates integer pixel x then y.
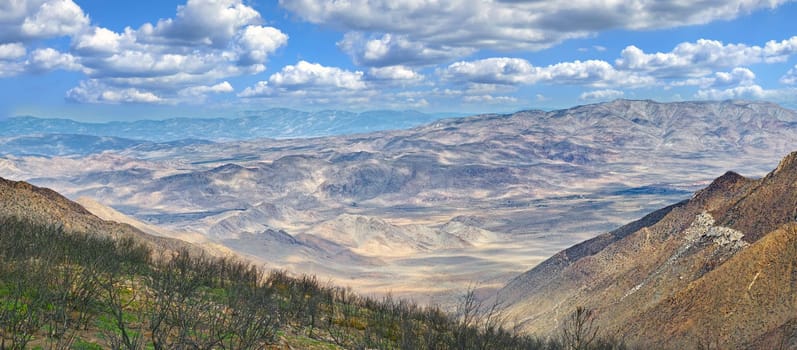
{"type": "Point", "coordinates": [44, 206]}
{"type": "Point", "coordinates": [719, 269]}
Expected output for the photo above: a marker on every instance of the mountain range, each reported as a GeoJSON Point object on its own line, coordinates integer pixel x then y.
{"type": "Point", "coordinates": [395, 210]}
{"type": "Point", "coordinates": [271, 123]}
{"type": "Point", "coordinates": [423, 212]}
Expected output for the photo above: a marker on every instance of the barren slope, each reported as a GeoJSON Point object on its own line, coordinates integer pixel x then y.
{"type": "Point", "coordinates": [678, 276]}
{"type": "Point", "coordinates": [45, 206]}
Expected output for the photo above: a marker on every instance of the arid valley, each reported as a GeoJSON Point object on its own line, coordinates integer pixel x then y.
{"type": "Point", "coordinates": [425, 212]}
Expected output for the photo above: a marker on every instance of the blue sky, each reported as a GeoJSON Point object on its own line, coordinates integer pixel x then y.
{"type": "Point", "coordinates": [99, 60]}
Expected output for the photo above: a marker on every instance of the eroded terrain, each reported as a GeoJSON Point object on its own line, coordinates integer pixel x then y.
{"type": "Point", "coordinates": [429, 211]}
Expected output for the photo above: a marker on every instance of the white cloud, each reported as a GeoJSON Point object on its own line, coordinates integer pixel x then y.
{"type": "Point", "coordinates": [497, 70]}
{"type": "Point", "coordinates": [94, 91]}
{"type": "Point", "coordinates": [45, 60]}
{"type": "Point", "coordinates": [311, 84]}
{"type": "Point", "coordinates": [489, 99]}
{"type": "Point", "coordinates": [738, 76]}
{"type": "Point", "coordinates": [55, 18]}
{"type": "Point", "coordinates": [703, 57]}
{"type": "Point", "coordinates": [699, 63]}
{"type": "Point", "coordinates": [260, 89]}
{"type": "Point", "coordinates": [748, 91]}
{"type": "Point", "coordinates": [791, 77]}
{"type": "Point", "coordinates": [129, 95]}
{"type": "Point", "coordinates": [255, 43]}
{"type": "Point", "coordinates": [202, 23]}
{"type": "Point", "coordinates": [389, 50]}
{"type": "Point", "coordinates": [514, 71]}
{"type": "Point", "coordinates": [306, 77]}
{"type": "Point", "coordinates": [313, 75]}
{"type": "Point", "coordinates": [11, 68]}
{"type": "Point", "coordinates": [779, 51]}
{"type": "Point", "coordinates": [601, 95]}
{"type": "Point", "coordinates": [25, 20]}
{"type": "Point", "coordinates": [98, 41]}
{"type": "Point", "coordinates": [202, 90]}
{"type": "Point", "coordinates": [207, 42]}
{"type": "Point", "coordinates": [739, 84]}
{"type": "Point", "coordinates": [394, 73]}
{"type": "Point", "coordinates": [12, 51]}
{"type": "Point", "coordinates": [388, 30]}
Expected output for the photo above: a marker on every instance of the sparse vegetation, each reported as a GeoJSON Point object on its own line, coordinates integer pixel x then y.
{"type": "Point", "coordinates": [62, 290]}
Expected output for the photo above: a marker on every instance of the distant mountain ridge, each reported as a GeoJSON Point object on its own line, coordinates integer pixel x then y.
{"type": "Point", "coordinates": [57, 145]}
{"type": "Point", "coordinates": [536, 181]}
{"type": "Point", "coordinates": [271, 123]}
{"type": "Point", "coordinates": [718, 270]}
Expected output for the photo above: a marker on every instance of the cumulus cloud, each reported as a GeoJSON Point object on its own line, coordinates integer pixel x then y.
{"type": "Point", "coordinates": [23, 22]}
{"type": "Point", "coordinates": [791, 77]}
{"type": "Point", "coordinates": [193, 53]}
{"type": "Point", "coordinates": [401, 74]}
{"type": "Point", "coordinates": [489, 99]}
{"type": "Point", "coordinates": [12, 51]}
{"type": "Point", "coordinates": [514, 71]}
{"type": "Point", "coordinates": [94, 91]}
{"type": "Point", "coordinates": [306, 83]}
{"type": "Point", "coordinates": [255, 43]}
{"type": "Point", "coordinates": [305, 77]}
{"type": "Point", "coordinates": [44, 60]}
{"type": "Point", "coordinates": [313, 75]}
{"type": "Point", "coordinates": [189, 55]}
{"type": "Point", "coordinates": [202, 22]}
{"type": "Point", "coordinates": [740, 84]}
{"type": "Point", "coordinates": [703, 56]}
{"type": "Point", "coordinates": [738, 76]}
{"type": "Point", "coordinates": [699, 63]}
{"type": "Point", "coordinates": [389, 49]}
{"type": "Point", "coordinates": [601, 95]}
{"type": "Point", "coordinates": [11, 68]}
{"type": "Point", "coordinates": [738, 92]}
{"type": "Point", "coordinates": [496, 70]}
{"type": "Point", "coordinates": [202, 90]}
{"type": "Point", "coordinates": [101, 41]}
{"type": "Point", "coordinates": [387, 30]}
{"type": "Point", "coordinates": [26, 20]}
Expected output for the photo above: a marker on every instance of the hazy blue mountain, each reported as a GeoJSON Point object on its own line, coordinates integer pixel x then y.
{"type": "Point", "coordinates": [52, 145]}
{"type": "Point", "coordinates": [272, 123]}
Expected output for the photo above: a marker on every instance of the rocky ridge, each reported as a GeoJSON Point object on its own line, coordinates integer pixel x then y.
{"type": "Point", "coordinates": [703, 271]}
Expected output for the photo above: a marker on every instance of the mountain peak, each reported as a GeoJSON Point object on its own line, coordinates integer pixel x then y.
{"type": "Point", "coordinates": [715, 196]}
{"type": "Point", "coordinates": [726, 181]}
{"type": "Point", "coordinates": [788, 163]}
